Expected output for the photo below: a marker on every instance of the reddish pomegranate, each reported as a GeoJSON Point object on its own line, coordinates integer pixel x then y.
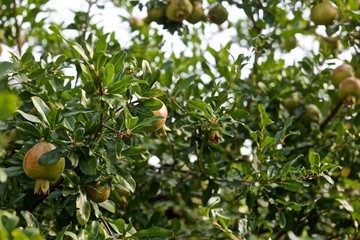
{"type": "Point", "coordinates": [42, 174]}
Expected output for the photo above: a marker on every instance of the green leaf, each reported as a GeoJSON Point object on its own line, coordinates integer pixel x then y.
{"type": "Point", "coordinates": [314, 160]}
{"type": "Point", "coordinates": [5, 67]}
{"type": "Point", "coordinates": [153, 232]}
{"type": "Point", "coordinates": [30, 219]}
{"type": "Point", "coordinates": [82, 208]}
{"type": "Point", "coordinates": [280, 219]}
{"type": "Point", "coordinates": [292, 186]}
{"type": "Point", "coordinates": [120, 86]}
{"type": "Point", "coordinates": [130, 121]}
{"type": "Point", "coordinates": [265, 119]}
{"type": "Point", "coordinates": [136, 153]}
{"type": "Point", "coordinates": [28, 129]}
{"type": "Point", "coordinates": [52, 156]}
{"type": "Point", "coordinates": [110, 71]}
{"type": "Point", "coordinates": [239, 114]}
{"type": "Point", "coordinates": [29, 117]}
{"type": "Point", "coordinates": [108, 205]}
{"type": "Point", "coordinates": [281, 133]}
{"type": "Point", "coordinates": [286, 167]}
{"type": "Point", "coordinates": [3, 176]}
{"type": "Point", "coordinates": [42, 108]}
{"type": "Point", "coordinates": [183, 84]}
{"type": "Point", "coordinates": [201, 106]}
{"type": "Point", "coordinates": [88, 165]}
{"type": "Point", "coordinates": [267, 143]}
{"type": "Point", "coordinates": [125, 180]}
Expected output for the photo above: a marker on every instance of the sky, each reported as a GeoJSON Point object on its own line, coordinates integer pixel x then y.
{"type": "Point", "coordinates": [110, 19]}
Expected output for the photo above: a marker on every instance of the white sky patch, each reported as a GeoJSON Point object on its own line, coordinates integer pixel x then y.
{"type": "Point", "coordinates": [154, 161]}
{"type": "Point", "coordinates": [192, 157]}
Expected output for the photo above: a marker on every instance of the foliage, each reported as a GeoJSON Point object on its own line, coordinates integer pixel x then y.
{"type": "Point", "coordinates": [236, 162]}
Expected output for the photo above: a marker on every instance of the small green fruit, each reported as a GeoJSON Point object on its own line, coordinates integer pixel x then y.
{"type": "Point", "coordinates": [97, 192]}
{"type": "Point", "coordinates": [340, 73]}
{"type": "Point", "coordinates": [218, 14]}
{"type": "Point", "coordinates": [197, 14]}
{"type": "Point", "coordinates": [349, 87]}
{"type": "Point", "coordinates": [289, 44]}
{"type": "Point", "coordinates": [324, 13]}
{"type": "Point", "coordinates": [136, 23]}
{"type": "Point", "coordinates": [178, 10]}
{"type": "Point", "coordinates": [312, 114]}
{"type": "Point", "coordinates": [155, 10]}
{"type": "Point", "coordinates": [292, 102]}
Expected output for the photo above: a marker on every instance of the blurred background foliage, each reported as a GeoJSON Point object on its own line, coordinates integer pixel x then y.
{"type": "Point", "coordinates": [258, 143]}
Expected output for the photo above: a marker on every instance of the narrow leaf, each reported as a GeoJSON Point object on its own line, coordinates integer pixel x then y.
{"type": "Point", "coordinates": [153, 232]}
{"type": "Point", "coordinates": [42, 108]}
{"type": "Point", "coordinates": [83, 209]}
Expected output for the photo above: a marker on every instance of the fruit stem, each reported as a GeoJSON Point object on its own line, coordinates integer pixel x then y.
{"type": "Point", "coordinates": [332, 114]}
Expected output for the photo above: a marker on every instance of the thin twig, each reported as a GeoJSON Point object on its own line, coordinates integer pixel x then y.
{"type": "Point", "coordinates": [87, 20]}
{"type": "Point", "coordinates": [331, 115]}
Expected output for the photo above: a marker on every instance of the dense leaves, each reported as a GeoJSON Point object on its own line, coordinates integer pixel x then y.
{"type": "Point", "coordinates": [258, 142]}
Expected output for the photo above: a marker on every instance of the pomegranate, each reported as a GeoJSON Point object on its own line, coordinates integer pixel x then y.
{"type": "Point", "coordinates": [324, 13]}
{"type": "Point", "coordinates": [349, 87]}
{"type": "Point", "coordinates": [42, 174]}
{"type": "Point", "coordinates": [97, 192]}
{"type": "Point", "coordinates": [341, 72]}
{"type": "Point", "coordinates": [218, 14]}
{"type": "Point", "coordinates": [178, 10]}
{"type": "Point", "coordinates": [161, 112]}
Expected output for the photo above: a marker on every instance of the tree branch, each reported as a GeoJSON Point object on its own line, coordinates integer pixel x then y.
{"type": "Point", "coordinates": [331, 115]}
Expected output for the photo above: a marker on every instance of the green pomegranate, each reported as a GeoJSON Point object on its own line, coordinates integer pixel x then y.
{"type": "Point", "coordinates": [341, 72]}
{"type": "Point", "coordinates": [178, 10]}
{"type": "Point", "coordinates": [97, 192]}
{"type": "Point", "coordinates": [155, 13]}
{"type": "Point", "coordinates": [292, 102]}
{"type": "Point", "coordinates": [218, 14]}
{"type": "Point", "coordinates": [324, 13]}
{"type": "Point", "coordinates": [42, 174]}
{"type": "Point", "coordinates": [312, 114]}
{"type": "Point", "coordinates": [197, 14]}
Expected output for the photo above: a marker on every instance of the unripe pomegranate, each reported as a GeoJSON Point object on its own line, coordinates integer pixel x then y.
{"type": "Point", "coordinates": [311, 114]}
{"type": "Point", "coordinates": [97, 192]}
{"type": "Point", "coordinates": [197, 14]}
{"type": "Point", "coordinates": [340, 73]}
{"type": "Point", "coordinates": [218, 14]}
{"type": "Point", "coordinates": [42, 174]}
{"type": "Point", "coordinates": [292, 102]}
{"type": "Point", "coordinates": [349, 87]}
{"type": "Point", "coordinates": [324, 13]}
{"type": "Point", "coordinates": [215, 133]}
{"type": "Point", "coordinates": [155, 12]}
{"type": "Point", "coordinates": [178, 10]}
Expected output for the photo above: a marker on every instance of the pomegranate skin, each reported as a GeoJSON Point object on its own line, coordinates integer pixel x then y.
{"type": "Point", "coordinates": [42, 174]}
